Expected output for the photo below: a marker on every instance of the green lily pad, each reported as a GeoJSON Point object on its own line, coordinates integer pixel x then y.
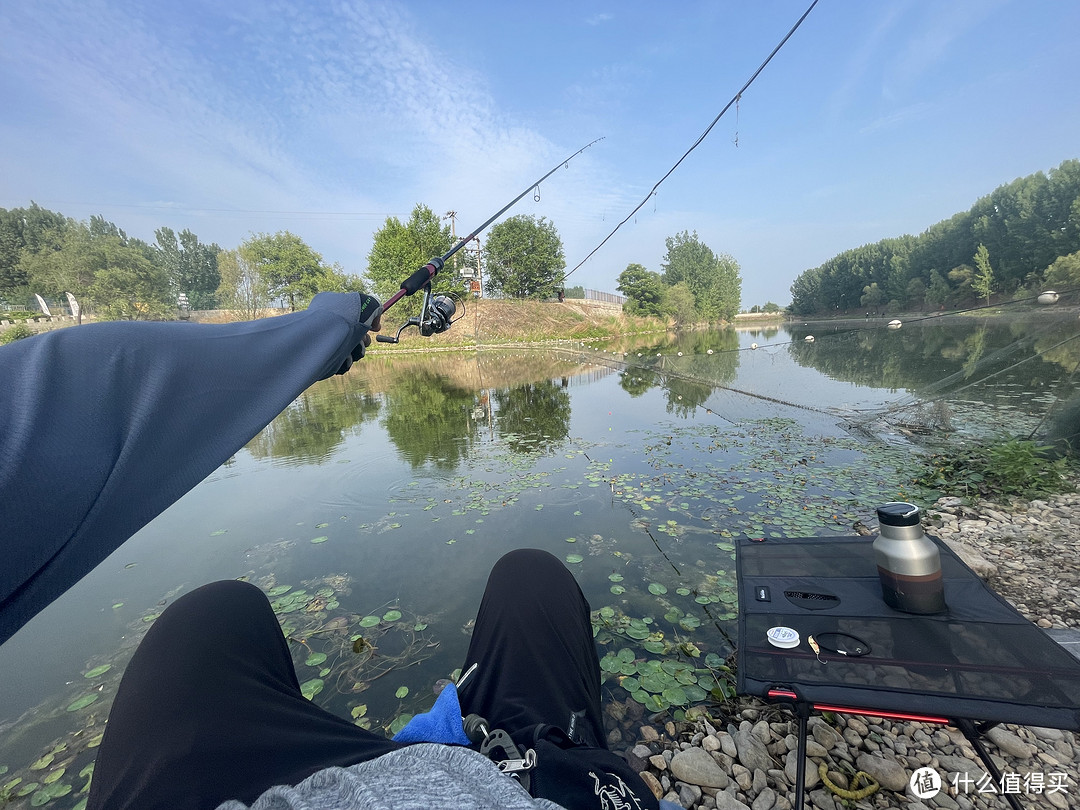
{"type": "Point", "coordinates": [27, 789]}
{"type": "Point", "coordinates": [655, 647]}
{"type": "Point", "coordinates": [325, 592]}
{"type": "Point", "coordinates": [615, 577]}
{"type": "Point", "coordinates": [574, 558]}
{"type": "Point", "coordinates": [83, 702]}
{"type": "Point", "coordinates": [43, 763]}
{"type": "Point", "coordinates": [219, 532]}
{"type": "Point", "coordinates": [402, 692]}
{"type": "Point", "coordinates": [53, 776]}
{"type": "Point", "coordinates": [656, 589]}
{"type": "Point", "coordinates": [321, 539]}
{"type": "Point", "coordinates": [310, 689]}
{"type": "Point", "coordinates": [101, 670]}
{"type": "Point", "coordinates": [618, 589]}
{"type": "Point", "coordinates": [400, 722]}
{"type": "Point", "coordinates": [321, 525]}
{"type": "Point", "coordinates": [391, 615]}
{"type": "Point", "coordinates": [358, 711]}
{"type": "Point", "coordinates": [279, 590]}
{"type": "Point", "coordinates": [370, 621]}
{"type": "Point", "coordinates": [315, 659]}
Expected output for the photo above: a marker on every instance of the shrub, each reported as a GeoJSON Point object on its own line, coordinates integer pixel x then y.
{"type": "Point", "coordinates": [1001, 467]}
{"type": "Point", "coordinates": [16, 332]}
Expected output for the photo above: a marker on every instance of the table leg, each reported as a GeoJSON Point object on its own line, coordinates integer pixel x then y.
{"type": "Point", "coordinates": [973, 737]}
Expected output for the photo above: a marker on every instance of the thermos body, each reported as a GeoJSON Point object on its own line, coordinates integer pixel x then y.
{"type": "Point", "coordinates": [908, 562]}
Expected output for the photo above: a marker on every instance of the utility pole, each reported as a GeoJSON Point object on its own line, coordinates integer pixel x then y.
{"type": "Point", "coordinates": [452, 216]}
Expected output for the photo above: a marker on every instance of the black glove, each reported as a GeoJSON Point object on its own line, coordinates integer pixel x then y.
{"type": "Point", "coordinates": [370, 319]}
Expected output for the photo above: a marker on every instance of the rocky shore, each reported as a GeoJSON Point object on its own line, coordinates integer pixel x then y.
{"type": "Point", "coordinates": [746, 760]}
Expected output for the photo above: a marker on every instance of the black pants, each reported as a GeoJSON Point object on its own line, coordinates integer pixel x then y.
{"type": "Point", "coordinates": [210, 708]}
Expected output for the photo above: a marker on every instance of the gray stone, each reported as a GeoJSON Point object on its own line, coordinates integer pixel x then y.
{"type": "Point", "coordinates": [791, 762]}
{"type": "Point", "coordinates": [826, 736]}
{"type": "Point", "coordinates": [689, 795]}
{"type": "Point", "coordinates": [725, 801]}
{"type": "Point", "coordinates": [1009, 743]}
{"type": "Point", "coordinates": [889, 773]}
{"type": "Point", "coordinates": [765, 800]}
{"type": "Point", "coordinates": [983, 568]}
{"type": "Point", "coordinates": [762, 731]}
{"type": "Point", "coordinates": [822, 799]}
{"type": "Point", "coordinates": [752, 752]}
{"type": "Point", "coordinates": [710, 743]}
{"type": "Point", "coordinates": [954, 764]}
{"type": "Point", "coordinates": [943, 799]}
{"type": "Point", "coordinates": [696, 767]}
{"type": "Point", "coordinates": [727, 744]}
{"type": "Point", "coordinates": [652, 783]}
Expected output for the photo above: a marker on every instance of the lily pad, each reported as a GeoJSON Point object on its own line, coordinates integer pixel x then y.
{"type": "Point", "coordinates": [278, 590]}
{"type": "Point", "coordinates": [315, 659]}
{"type": "Point", "coordinates": [101, 670]}
{"type": "Point", "coordinates": [310, 689]}
{"type": "Point", "coordinates": [370, 621]}
{"type": "Point", "coordinates": [391, 615]}
{"type": "Point", "coordinates": [321, 539]}
{"type": "Point", "coordinates": [656, 589]}
{"type": "Point", "coordinates": [574, 558]}
{"type": "Point", "coordinates": [402, 692]}
{"type": "Point", "coordinates": [400, 722]}
{"type": "Point", "coordinates": [83, 702]}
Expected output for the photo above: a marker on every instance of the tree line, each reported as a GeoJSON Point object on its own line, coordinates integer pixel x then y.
{"type": "Point", "coordinates": [1014, 242]}
{"type": "Point", "coordinates": [118, 276]}
{"type": "Point", "coordinates": [696, 284]}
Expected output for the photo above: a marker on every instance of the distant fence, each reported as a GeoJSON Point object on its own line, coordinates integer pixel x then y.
{"type": "Point", "coordinates": [610, 298]}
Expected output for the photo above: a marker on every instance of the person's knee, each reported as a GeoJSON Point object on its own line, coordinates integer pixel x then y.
{"type": "Point", "coordinates": [528, 562]}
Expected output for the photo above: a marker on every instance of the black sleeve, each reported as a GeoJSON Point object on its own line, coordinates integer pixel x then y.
{"type": "Point", "coordinates": [103, 426]}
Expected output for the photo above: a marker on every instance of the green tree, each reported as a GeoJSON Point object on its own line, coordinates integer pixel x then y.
{"type": "Point", "coordinates": [66, 262]}
{"type": "Point", "coordinates": [399, 249]}
{"type": "Point", "coordinates": [644, 289]}
{"type": "Point", "coordinates": [938, 292]}
{"type": "Point", "coordinates": [1065, 271]}
{"type": "Point", "coordinates": [25, 229]}
{"type": "Point", "coordinates": [983, 281]}
{"type": "Point", "coordinates": [289, 268]}
{"type": "Point", "coordinates": [712, 279]}
{"type": "Point", "coordinates": [524, 257]}
{"type": "Point", "coordinates": [127, 284]}
{"type": "Point", "coordinates": [680, 305]}
{"type": "Point", "coordinates": [190, 266]}
{"type": "Point", "coordinates": [242, 289]}
{"type": "Point", "coordinates": [770, 307]}
{"type": "Point", "coordinates": [872, 296]}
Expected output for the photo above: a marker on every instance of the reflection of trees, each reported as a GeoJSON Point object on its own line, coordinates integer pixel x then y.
{"type": "Point", "coordinates": [533, 416]}
{"type": "Point", "coordinates": [316, 423]}
{"type": "Point", "coordinates": [690, 380]}
{"type": "Point", "coordinates": [939, 356]}
{"type": "Point", "coordinates": [429, 420]}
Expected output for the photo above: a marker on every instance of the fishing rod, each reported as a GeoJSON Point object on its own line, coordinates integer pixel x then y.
{"type": "Point", "coordinates": [437, 313]}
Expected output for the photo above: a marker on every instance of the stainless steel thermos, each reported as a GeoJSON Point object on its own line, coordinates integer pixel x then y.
{"type": "Point", "coordinates": [908, 562]}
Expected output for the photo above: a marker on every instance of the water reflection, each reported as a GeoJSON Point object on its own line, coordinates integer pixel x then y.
{"type": "Point", "coordinates": [533, 416]}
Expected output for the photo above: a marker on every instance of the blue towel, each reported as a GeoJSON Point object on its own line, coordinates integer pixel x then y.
{"type": "Point", "coordinates": [440, 725]}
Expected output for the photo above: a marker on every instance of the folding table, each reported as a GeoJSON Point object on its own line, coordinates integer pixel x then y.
{"type": "Point", "coordinates": [978, 664]}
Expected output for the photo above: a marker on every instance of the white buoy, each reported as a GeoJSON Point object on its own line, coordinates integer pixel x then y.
{"type": "Point", "coordinates": [680, 354]}
{"type": "Point", "coordinates": [753, 345]}
{"type": "Point", "coordinates": [809, 338]}
{"type": "Point", "coordinates": [895, 324]}
{"type": "Point", "coordinates": [708, 351]}
{"type": "Point", "coordinates": [1049, 297]}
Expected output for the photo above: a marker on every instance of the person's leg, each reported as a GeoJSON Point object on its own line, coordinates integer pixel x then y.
{"type": "Point", "coordinates": [210, 709]}
{"type": "Point", "coordinates": [534, 652]}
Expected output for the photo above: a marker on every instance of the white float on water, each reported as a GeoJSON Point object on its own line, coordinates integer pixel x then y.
{"type": "Point", "coordinates": [1048, 297]}
{"type": "Point", "coordinates": [809, 338]}
{"type": "Point", "coordinates": [895, 324]}
{"type": "Point", "coordinates": [753, 345]}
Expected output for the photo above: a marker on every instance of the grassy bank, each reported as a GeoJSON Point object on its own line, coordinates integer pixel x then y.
{"type": "Point", "coordinates": [490, 321]}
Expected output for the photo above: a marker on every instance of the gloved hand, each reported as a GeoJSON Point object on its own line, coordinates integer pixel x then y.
{"type": "Point", "coordinates": [370, 320]}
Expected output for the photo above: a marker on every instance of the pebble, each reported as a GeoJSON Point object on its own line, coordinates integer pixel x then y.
{"type": "Point", "coordinates": [1027, 553]}
{"type": "Point", "coordinates": [696, 767]}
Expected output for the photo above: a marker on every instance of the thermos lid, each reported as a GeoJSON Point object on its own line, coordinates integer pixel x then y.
{"type": "Point", "coordinates": [898, 513]}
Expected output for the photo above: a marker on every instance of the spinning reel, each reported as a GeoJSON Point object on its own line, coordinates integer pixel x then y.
{"type": "Point", "coordinates": [437, 313]}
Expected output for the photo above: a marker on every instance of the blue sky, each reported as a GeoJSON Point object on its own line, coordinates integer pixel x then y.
{"type": "Point", "coordinates": [323, 118]}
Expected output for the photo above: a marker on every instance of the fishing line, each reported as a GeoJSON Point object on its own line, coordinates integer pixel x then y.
{"type": "Point", "coordinates": [701, 137]}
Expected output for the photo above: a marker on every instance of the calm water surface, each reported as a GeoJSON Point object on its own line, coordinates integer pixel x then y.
{"type": "Point", "coordinates": [383, 498]}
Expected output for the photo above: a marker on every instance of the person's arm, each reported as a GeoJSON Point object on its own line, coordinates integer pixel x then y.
{"type": "Point", "coordinates": [104, 426]}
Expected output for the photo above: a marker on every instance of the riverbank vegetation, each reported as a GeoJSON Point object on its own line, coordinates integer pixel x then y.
{"type": "Point", "coordinates": [1013, 243]}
